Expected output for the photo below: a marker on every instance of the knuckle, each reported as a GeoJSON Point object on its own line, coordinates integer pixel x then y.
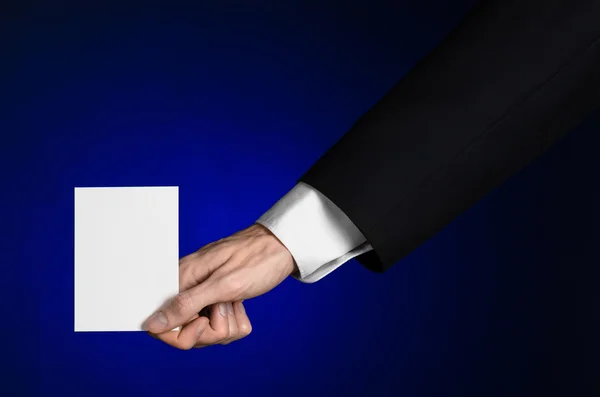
{"type": "Point", "coordinates": [183, 303]}
{"type": "Point", "coordinates": [185, 346]}
{"type": "Point", "coordinates": [187, 260]}
{"type": "Point", "coordinates": [245, 330]}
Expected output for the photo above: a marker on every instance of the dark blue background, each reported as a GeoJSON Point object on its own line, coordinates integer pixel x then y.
{"type": "Point", "coordinates": [232, 102]}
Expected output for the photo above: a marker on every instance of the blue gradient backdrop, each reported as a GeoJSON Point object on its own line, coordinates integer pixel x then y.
{"type": "Point", "coordinates": [232, 102]}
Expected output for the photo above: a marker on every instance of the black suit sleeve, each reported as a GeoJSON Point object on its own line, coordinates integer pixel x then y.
{"type": "Point", "coordinates": [511, 79]}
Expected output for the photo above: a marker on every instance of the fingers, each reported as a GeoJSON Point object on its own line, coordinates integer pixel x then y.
{"type": "Point", "coordinates": [180, 309]}
{"type": "Point", "coordinates": [218, 329]}
{"type": "Point", "coordinates": [238, 326]}
{"type": "Point", "coordinates": [212, 330]}
{"type": "Point", "coordinates": [228, 323]}
{"type": "Point", "coordinates": [233, 327]}
{"type": "Point", "coordinates": [187, 337]}
{"type": "Point", "coordinates": [243, 327]}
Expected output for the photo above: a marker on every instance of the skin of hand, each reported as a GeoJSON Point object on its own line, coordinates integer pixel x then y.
{"type": "Point", "coordinates": [217, 278]}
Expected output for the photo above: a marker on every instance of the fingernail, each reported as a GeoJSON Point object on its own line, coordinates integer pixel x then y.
{"type": "Point", "coordinates": [222, 309]}
{"type": "Point", "coordinates": [242, 308]}
{"type": "Point", "coordinates": [199, 330]}
{"type": "Point", "coordinates": [230, 307]}
{"type": "Point", "coordinates": [157, 321]}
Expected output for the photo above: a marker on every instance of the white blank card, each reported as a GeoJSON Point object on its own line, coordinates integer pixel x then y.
{"type": "Point", "coordinates": [126, 255]}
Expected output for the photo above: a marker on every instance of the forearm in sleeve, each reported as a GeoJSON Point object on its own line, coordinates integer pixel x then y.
{"type": "Point", "coordinates": [508, 82]}
{"type": "Point", "coordinates": [317, 233]}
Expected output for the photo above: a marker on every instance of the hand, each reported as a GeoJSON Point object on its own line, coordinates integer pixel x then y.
{"type": "Point", "coordinates": [242, 266]}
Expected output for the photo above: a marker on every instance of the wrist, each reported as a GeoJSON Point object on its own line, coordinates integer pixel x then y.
{"type": "Point", "coordinates": [273, 244]}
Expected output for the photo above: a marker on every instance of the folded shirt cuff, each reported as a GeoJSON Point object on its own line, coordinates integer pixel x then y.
{"type": "Point", "coordinates": [317, 233]}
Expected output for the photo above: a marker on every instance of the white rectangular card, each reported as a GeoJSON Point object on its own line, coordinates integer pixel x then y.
{"type": "Point", "coordinates": [126, 255]}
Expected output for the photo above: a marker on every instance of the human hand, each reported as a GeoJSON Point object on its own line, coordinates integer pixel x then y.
{"type": "Point", "coordinates": [242, 266]}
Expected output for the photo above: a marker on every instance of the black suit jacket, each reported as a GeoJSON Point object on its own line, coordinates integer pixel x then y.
{"type": "Point", "coordinates": [510, 80]}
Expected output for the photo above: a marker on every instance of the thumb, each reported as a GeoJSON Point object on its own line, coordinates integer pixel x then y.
{"type": "Point", "coordinates": [185, 305]}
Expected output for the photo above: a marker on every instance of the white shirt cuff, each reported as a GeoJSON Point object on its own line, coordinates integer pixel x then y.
{"type": "Point", "coordinates": [317, 233]}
